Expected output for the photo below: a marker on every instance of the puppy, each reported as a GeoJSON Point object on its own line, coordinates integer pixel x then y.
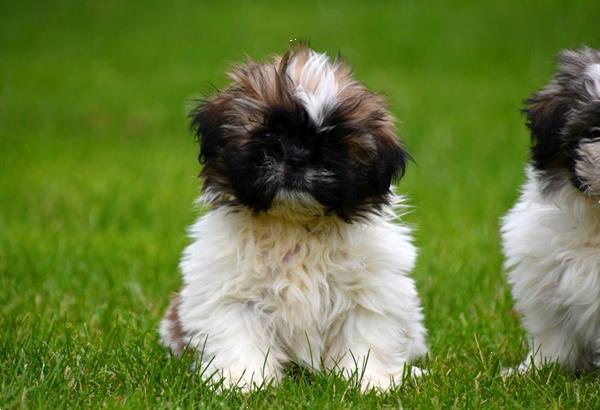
{"type": "Point", "coordinates": [551, 237]}
{"type": "Point", "coordinates": [298, 259]}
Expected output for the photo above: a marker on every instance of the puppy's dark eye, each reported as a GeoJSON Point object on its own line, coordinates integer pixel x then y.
{"type": "Point", "coordinates": [594, 133]}
{"type": "Point", "coordinates": [266, 134]}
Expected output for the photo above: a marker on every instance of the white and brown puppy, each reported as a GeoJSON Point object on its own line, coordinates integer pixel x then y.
{"type": "Point", "coordinates": [552, 235]}
{"type": "Point", "coordinates": [299, 259]}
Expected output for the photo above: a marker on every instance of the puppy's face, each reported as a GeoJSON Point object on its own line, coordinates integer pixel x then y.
{"type": "Point", "coordinates": [564, 119]}
{"type": "Point", "coordinates": [298, 133]}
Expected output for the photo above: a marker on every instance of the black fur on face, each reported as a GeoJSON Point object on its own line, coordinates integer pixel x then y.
{"type": "Point", "coordinates": [264, 144]}
{"type": "Point", "coordinates": [564, 119]}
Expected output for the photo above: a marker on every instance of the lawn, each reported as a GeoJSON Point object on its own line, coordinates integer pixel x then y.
{"type": "Point", "coordinates": [98, 177]}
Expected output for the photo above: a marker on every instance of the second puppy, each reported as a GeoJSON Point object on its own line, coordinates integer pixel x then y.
{"type": "Point", "coordinates": [552, 235]}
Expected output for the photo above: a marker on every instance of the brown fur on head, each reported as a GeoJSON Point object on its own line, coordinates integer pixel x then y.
{"type": "Point", "coordinates": [298, 128]}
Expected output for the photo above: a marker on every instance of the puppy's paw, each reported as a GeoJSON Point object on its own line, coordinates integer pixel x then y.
{"type": "Point", "coordinates": [245, 383]}
{"type": "Point", "coordinates": [418, 372]}
{"type": "Point", "coordinates": [242, 380]}
{"type": "Point", "coordinates": [387, 382]}
{"type": "Point", "coordinates": [519, 370]}
{"type": "Point", "coordinates": [382, 383]}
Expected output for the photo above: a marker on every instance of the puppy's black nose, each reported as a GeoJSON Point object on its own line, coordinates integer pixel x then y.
{"type": "Point", "coordinates": [296, 161]}
{"type": "Point", "coordinates": [296, 157]}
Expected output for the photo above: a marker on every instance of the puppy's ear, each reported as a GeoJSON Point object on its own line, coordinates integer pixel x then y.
{"type": "Point", "coordinates": [393, 158]}
{"type": "Point", "coordinates": [207, 119]}
{"type": "Point", "coordinates": [546, 116]}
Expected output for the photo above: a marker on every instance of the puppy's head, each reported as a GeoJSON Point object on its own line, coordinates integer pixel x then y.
{"type": "Point", "coordinates": [564, 119]}
{"type": "Point", "coordinates": [298, 133]}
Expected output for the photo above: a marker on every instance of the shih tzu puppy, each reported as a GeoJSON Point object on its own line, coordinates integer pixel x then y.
{"type": "Point", "coordinates": [551, 237]}
{"type": "Point", "coordinates": [299, 259]}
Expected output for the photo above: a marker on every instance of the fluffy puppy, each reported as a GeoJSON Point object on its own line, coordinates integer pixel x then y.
{"type": "Point", "coordinates": [298, 259]}
{"type": "Point", "coordinates": [551, 237]}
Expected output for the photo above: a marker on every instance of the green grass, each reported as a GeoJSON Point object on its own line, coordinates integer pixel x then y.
{"type": "Point", "coordinates": [97, 179]}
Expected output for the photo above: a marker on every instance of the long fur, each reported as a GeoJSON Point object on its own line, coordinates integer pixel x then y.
{"type": "Point", "coordinates": [551, 237]}
{"type": "Point", "coordinates": [299, 260]}
{"type": "Point", "coordinates": [552, 244]}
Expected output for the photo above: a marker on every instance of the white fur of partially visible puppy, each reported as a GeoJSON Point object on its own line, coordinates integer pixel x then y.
{"type": "Point", "coordinates": [551, 237]}
{"type": "Point", "coordinates": [552, 242]}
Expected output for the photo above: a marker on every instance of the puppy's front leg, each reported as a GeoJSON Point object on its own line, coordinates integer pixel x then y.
{"type": "Point", "coordinates": [231, 339]}
{"type": "Point", "coordinates": [378, 347]}
{"type": "Point", "coordinates": [553, 345]}
{"type": "Point", "coordinates": [551, 340]}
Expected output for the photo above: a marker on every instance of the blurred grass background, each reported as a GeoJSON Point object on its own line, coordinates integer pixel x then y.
{"type": "Point", "coordinates": [98, 174]}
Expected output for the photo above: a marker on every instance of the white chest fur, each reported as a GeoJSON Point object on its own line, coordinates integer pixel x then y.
{"type": "Point", "coordinates": [552, 247]}
{"type": "Point", "coordinates": [300, 279]}
{"type": "Point", "coordinates": [262, 291]}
